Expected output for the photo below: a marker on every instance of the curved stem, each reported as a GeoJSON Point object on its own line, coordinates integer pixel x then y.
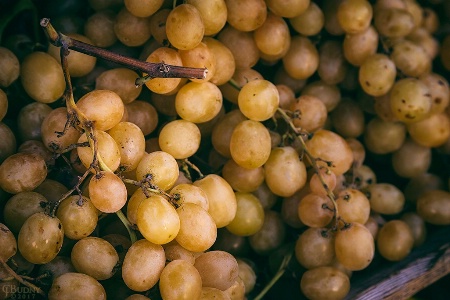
{"type": "Point", "coordinates": [128, 225]}
{"type": "Point", "coordinates": [20, 279]}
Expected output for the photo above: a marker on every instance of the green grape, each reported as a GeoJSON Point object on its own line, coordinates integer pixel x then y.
{"type": "Point", "coordinates": [285, 173]}
{"type": "Point", "coordinates": [20, 207]}
{"type": "Point", "coordinates": [9, 243]}
{"type": "Point", "coordinates": [325, 282]}
{"type": "Point", "coordinates": [131, 30]}
{"type": "Point", "coordinates": [249, 216]}
{"type": "Point", "coordinates": [315, 248]}
{"type": "Point", "coordinates": [377, 74]}
{"type": "Point", "coordinates": [143, 264]}
{"type": "Point", "coordinates": [107, 192]}
{"type": "Point", "coordinates": [213, 13]}
{"type": "Point", "coordinates": [258, 100]}
{"type": "Point", "coordinates": [171, 57]}
{"type": "Point", "coordinates": [250, 144]}
{"type": "Point", "coordinates": [218, 269]}
{"type": "Point", "coordinates": [40, 238]}
{"type": "Point", "coordinates": [189, 193]}
{"type": "Point", "coordinates": [184, 27]}
{"type": "Point", "coordinates": [180, 138]}
{"type": "Point", "coordinates": [131, 143]}
{"type": "Point", "coordinates": [160, 168]}
{"type": "Point", "coordinates": [22, 172]}
{"type": "Point", "coordinates": [42, 77]}
{"type": "Point", "coordinates": [180, 280]}
{"type": "Point", "coordinates": [95, 257]}
{"type": "Point", "coordinates": [198, 230]}
{"type": "Point", "coordinates": [273, 37]}
{"type": "Point", "coordinates": [207, 98]}
{"type": "Point", "coordinates": [78, 216]}
{"type": "Point", "coordinates": [120, 81]}
{"type": "Point", "coordinates": [107, 149]}
{"type": "Point", "coordinates": [225, 64]}
{"type": "Point", "coordinates": [157, 220]}
{"type": "Point", "coordinates": [302, 58]}
{"type": "Point", "coordinates": [354, 246]}
{"type": "Point", "coordinates": [395, 240]}
{"type": "Point", "coordinates": [76, 286]}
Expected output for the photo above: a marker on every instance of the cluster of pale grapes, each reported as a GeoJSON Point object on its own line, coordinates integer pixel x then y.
{"type": "Point", "coordinates": [188, 188]}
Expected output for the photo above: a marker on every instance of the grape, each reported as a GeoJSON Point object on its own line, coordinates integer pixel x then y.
{"type": "Point", "coordinates": [99, 28]}
{"type": "Point", "coordinates": [221, 199]}
{"type": "Point", "coordinates": [51, 189]}
{"type": "Point", "coordinates": [121, 81]}
{"type": "Point", "coordinates": [271, 235]}
{"type": "Point", "coordinates": [329, 146]}
{"type": "Point", "coordinates": [209, 293]}
{"type": "Point", "coordinates": [10, 67]}
{"type": "Point", "coordinates": [249, 216]}
{"type": "Point", "coordinates": [302, 58]}
{"type": "Point", "coordinates": [353, 206]}
{"type": "Point", "coordinates": [189, 193]}
{"type": "Point", "coordinates": [439, 89]}
{"type": "Point", "coordinates": [223, 60]}
{"type": "Point", "coordinates": [285, 173]}
{"type": "Point", "coordinates": [313, 113]}
{"type": "Point", "coordinates": [417, 225]}
{"type": "Point", "coordinates": [22, 172]}
{"type": "Point", "coordinates": [258, 100]}
{"type": "Point", "coordinates": [131, 30]}
{"type": "Point", "coordinates": [131, 143]}
{"type": "Point", "coordinates": [434, 206]}
{"type": "Point", "coordinates": [223, 129]}
{"type": "Point", "coordinates": [250, 144]}
{"type": "Point", "coordinates": [4, 105]}
{"type": "Point", "coordinates": [395, 240]}
{"type": "Point", "coordinates": [180, 280]}
{"type": "Point", "coordinates": [237, 290]}
{"type": "Point", "coordinates": [357, 47]}
{"type": "Point", "coordinates": [385, 198]}
{"type": "Point", "coordinates": [348, 119]}
{"type": "Point", "coordinates": [432, 131]}
{"type": "Point", "coordinates": [184, 27]}
{"type": "Point", "coordinates": [330, 9]}
{"type": "Point", "coordinates": [107, 150]}
{"type": "Point", "coordinates": [95, 257]}
{"type": "Point", "coordinates": [9, 243]}
{"type": "Point", "coordinates": [359, 152]}
{"type": "Point", "coordinates": [384, 136]}
{"type": "Point", "coordinates": [310, 22]}
{"type": "Point", "coordinates": [40, 239]}
{"type": "Point", "coordinates": [242, 179]}
{"type": "Point", "coordinates": [411, 159]}
{"type": "Point", "coordinates": [332, 67]}
{"type": "Point", "coordinates": [52, 124]}
{"type": "Point", "coordinates": [213, 13]}
{"type": "Point", "coordinates": [76, 286]}
{"type": "Point", "coordinates": [21, 206]}
{"type": "Point", "coordinates": [315, 248]}
{"type": "Point", "coordinates": [180, 138]}
{"type": "Point", "coordinates": [9, 144]}
{"type": "Point", "coordinates": [354, 16]}
{"type": "Point", "coordinates": [42, 77]}
{"type": "Point", "coordinates": [273, 37]}
{"type": "Point", "coordinates": [144, 8]}
{"type": "Point", "coordinates": [218, 269]}
{"type": "Point", "coordinates": [354, 247]}
{"type": "Point", "coordinates": [157, 220]}
{"type": "Point", "coordinates": [198, 230]}
{"type": "Point", "coordinates": [143, 265]}
{"type": "Point", "coordinates": [107, 192]}
{"type": "Point", "coordinates": [288, 9]}
{"type": "Point", "coordinates": [78, 216]}
{"type": "Point", "coordinates": [315, 210]}
{"type": "Point", "coordinates": [174, 251]}
{"type": "Point", "coordinates": [207, 98]}
{"type": "Point", "coordinates": [410, 58]}
{"type": "Point", "coordinates": [143, 114]}
{"type": "Point", "coordinates": [377, 74]}
{"type": "Point", "coordinates": [160, 168]}
{"type": "Point", "coordinates": [57, 267]}
{"type": "Point", "coordinates": [393, 22]}
{"type": "Point", "coordinates": [325, 283]}
{"type": "Point", "coordinates": [242, 46]}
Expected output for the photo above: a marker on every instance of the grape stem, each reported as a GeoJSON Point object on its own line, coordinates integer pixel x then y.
{"type": "Point", "coordinates": [154, 70]}
{"type": "Point", "coordinates": [312, 160]}
{"type": "Point", "coordinates": [281, 270]}
{"type": "Point", "coordinates": [128, 226]}
{"type": "Point", "coordinates": [20, 279]}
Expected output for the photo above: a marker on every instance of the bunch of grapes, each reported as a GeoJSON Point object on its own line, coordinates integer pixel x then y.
{"type": "Point", "coordinates": [316, 144]}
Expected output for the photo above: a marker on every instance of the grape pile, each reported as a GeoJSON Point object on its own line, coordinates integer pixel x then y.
{"type": "Point", "coordinates": [316, 146]}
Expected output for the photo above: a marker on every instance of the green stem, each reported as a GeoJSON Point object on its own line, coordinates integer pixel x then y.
{"type": "Point", "coordinates": [128, 225]}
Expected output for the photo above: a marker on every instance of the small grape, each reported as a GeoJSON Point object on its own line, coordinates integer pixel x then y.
{"type": "Point", "coordinates": [76, 286]}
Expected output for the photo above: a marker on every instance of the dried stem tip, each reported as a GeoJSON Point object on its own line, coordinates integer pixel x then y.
{"type": "Point", "coordinates": [154, 70]}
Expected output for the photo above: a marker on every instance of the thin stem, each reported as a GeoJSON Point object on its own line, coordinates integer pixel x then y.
{"type": "Point", "coordinates": [155, 70]}
{"type": "Point", "coordinates": [281, 270]}
{"type": "Point", "coordinates": [128, 225]}
{"type": "Point", "coordinates": [312, 160]}
{"type": "Point", "coordinates": [20, 279]}
{"type": "Point", "coordinates": [193, 167]}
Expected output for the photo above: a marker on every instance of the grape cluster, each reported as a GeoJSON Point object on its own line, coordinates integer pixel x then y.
{"type": "Point", "coordinates": [317, 143]}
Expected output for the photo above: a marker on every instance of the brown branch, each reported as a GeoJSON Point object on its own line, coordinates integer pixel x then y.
{"type": "Point", "coordinates": [20, 279]}
{"type": "Point", "coordinates": [154, 70]}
